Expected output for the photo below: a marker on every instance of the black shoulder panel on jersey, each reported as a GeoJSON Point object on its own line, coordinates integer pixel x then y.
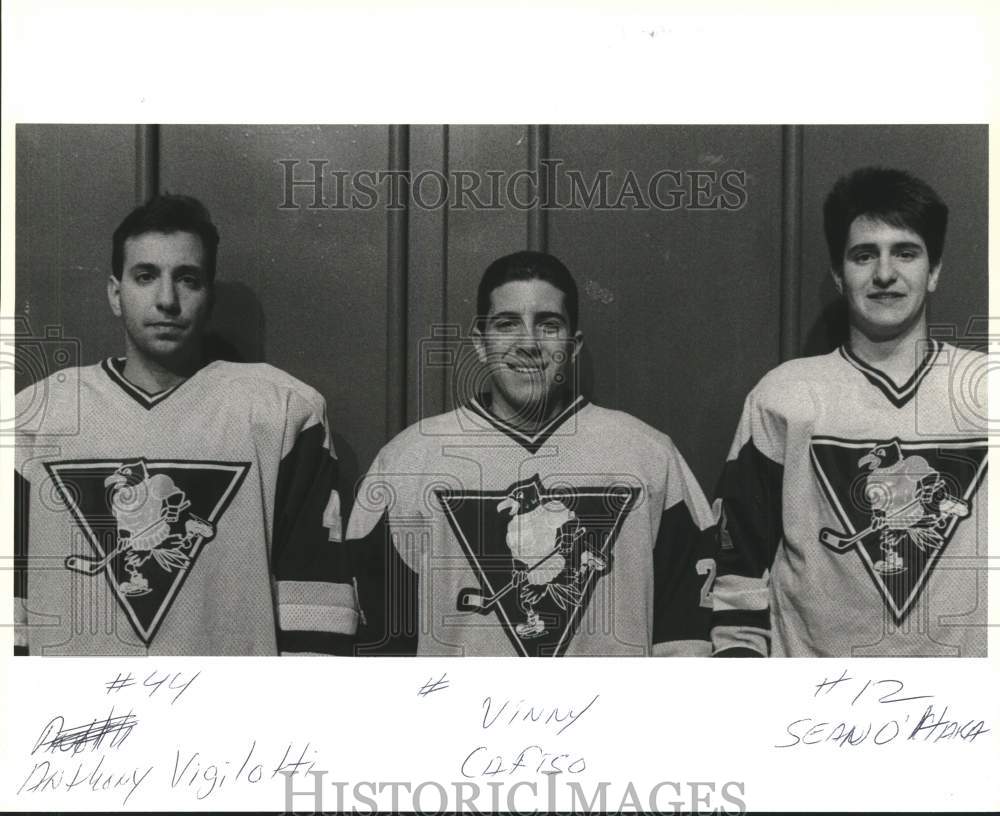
{"type": "Point", "coordinates": [22, 499]}
{"type": "Point", "coordinates": [683, 570]}
{"type": "Point", "coordinates": [22, 502]}
{"type": "Point", "coordinates": [387, 590]}
{"type": "Point", "coordinates": [306, 477]}
{"type": "Point", "coordinates": [313, 568]}
{"type": "Point", "coordinates": [751, 528]}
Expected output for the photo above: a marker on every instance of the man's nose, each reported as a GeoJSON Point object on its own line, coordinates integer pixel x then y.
{"type": "Point", "coordinates": [166, 296]}
{"type": "Point", "coordinates": [885, 270]}
{"type": "Point", "coordinates": [527, 342]}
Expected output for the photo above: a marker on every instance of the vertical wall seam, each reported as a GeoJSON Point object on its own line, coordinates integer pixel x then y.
{"type": "Point", "coordinates": [791, 241]}
{"type": "Point", "coordinates": [446, 379]}
{"type": "Point", "coordinates": [147, 162]}
{"type": "Point", "coordinates": [397, 260]}
{"type": "Point", "coordinates": [538, 149]}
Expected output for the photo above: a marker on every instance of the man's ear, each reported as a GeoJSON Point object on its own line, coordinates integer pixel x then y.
{"type": "Point", "coordinates": [577, 344]}
{"type": "Point", "coordinates": [478, 341]}
{"type": "Point", "coordinates": [932, 278]}
{"type": "Point", "coordinates": [838, 279]}
{"type": "Point", "coordinates": [115, 295]}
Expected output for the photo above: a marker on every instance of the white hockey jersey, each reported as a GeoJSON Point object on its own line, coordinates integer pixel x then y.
{"type": "Point", "coordinates": [591, 537]}
{"type": "Point", "coordinates": [200, 520]}
{"type": "Point", "coordinates": [854, 511]}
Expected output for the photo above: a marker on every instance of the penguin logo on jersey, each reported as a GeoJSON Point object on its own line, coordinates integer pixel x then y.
{"type": "Point", "coordinates": [544, 550]}
{"type": "Point", "coordinates": [899, 504]}
{"type": "Point", "coordinates": [148, 513]}
{"type": "Point", "coordinates": [146, 523]}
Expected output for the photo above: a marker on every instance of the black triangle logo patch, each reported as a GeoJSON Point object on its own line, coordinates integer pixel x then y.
{"type": "Point", "coordinates": [538, 555]}
{"type": "Point", "coordinates": [898, 505]}
{"type": "Point", "coordinates": [146, 521]}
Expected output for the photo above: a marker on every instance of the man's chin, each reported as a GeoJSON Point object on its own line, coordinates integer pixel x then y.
{"type": "Point", "coordinates": [883, 330]}
{"type": "Point", "coordinates": [170, 352]}
{"type": "Point", "coordinates": [527, 405]}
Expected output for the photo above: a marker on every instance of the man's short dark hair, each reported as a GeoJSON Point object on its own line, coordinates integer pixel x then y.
{"type": "Point", "coordinates": [892, 196]}
{"type": "Point", "coordinates": [528, 265]}
{"type": "Point", "coordinates": [167, 213]}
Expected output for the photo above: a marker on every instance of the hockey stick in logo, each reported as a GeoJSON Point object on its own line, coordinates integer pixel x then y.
{"type": "Point", "coordinates": [472, 600]}
{"type": "Point", "coordinates": [839, 542]}
{"type": "Point", "coordinates": [91, 566]}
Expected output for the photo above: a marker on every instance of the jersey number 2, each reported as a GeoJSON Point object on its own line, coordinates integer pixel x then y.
{"type": "Point", "coordinates": [706, 566]}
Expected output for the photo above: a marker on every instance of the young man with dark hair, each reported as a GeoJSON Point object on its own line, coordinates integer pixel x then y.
{"type": "Point", "coordinates": [853, 511]}
{"type": "Point", "coordinates": [537, 523]}
{"type": "Point", "coordinates": [170, 505]}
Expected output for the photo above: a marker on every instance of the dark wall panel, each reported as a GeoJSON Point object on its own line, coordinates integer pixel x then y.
{"type": "Point", "coordinates": [953, 160]}
{"type": "Point", "coordinates": [477, 236]}
{"type": "Point", "coordinates": [429, 361]}
{"type": "Point", "coordinates": [73, 185]}
{"type": "Point", "coordinates": [679, 307]}
{"type": "Point", "coordinates": [302, 288]}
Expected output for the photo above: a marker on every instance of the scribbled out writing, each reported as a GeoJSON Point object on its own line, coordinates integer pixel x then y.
{"type": "Point", "coordinates": [110, 732]}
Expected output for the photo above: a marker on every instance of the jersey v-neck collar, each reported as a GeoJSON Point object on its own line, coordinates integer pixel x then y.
{"type": "Point", "coordinates": [531, 442]}
{"type": "Point", "coordinates": [114, 367]}
{"type": "Point", "coordinates": [898, 395]}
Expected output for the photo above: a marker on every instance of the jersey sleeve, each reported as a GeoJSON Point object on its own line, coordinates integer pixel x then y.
{"type": "Point", "coordinates": [387, 581]}
{"type": "Point", "coordinates": [749, 509]}
{"type": "Point", "coordinates": [683, 567]}
{"type": "Point", "coordinates": [316, 607]}
{"type": "Point", "coordinates": [22, 495]}
{"type": "Point", "coordinates": [23, 447]}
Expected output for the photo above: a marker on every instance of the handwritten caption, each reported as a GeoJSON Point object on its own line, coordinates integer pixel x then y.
{"type": "Point", "coordinates": [58, 766]}
{"type": "Point", "coordinates": [505, 715]}
{"type": "Point", "coordinates": [880, 712]}
{"type": "Point", "coordinates": [553, 720]}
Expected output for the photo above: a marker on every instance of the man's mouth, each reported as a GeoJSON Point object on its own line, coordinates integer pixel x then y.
{"type": "Point", "coordinates": [527, 368]}
{"type": "Point", "coordinates": [166, 324]}
{"type": "Point", "coordinates": [886, 296]}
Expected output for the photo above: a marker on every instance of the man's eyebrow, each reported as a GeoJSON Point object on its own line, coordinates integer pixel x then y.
{"type": "Point", "coordinates": [539, 316]}
{"type": "Point", "coordinates": [144, 266]}
{"type": "Point", "coordinates": [870, 245]}
{"type": "Point", "coordinates": [188, 268]}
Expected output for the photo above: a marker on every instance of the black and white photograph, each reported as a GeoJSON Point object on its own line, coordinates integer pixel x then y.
{"type": "Point", "coordinates": [370, 397]}
{"type": "Point", "coordinates": [548, 347]}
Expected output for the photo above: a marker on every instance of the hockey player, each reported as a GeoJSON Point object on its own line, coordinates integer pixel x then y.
{"type": "Point", "coordinates": [537, 523]}
{"type": "Point", "coordinates": [853, 510]}
{"type": "Point", "coordinates": [170, 505]}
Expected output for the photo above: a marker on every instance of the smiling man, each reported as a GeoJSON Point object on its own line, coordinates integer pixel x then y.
{"type": "Point", "coordinates": [168, 504]}
{"type": "Point", "coordinates": [853, 512]}
{"type": "Point", "coordinates": [532, 522]}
